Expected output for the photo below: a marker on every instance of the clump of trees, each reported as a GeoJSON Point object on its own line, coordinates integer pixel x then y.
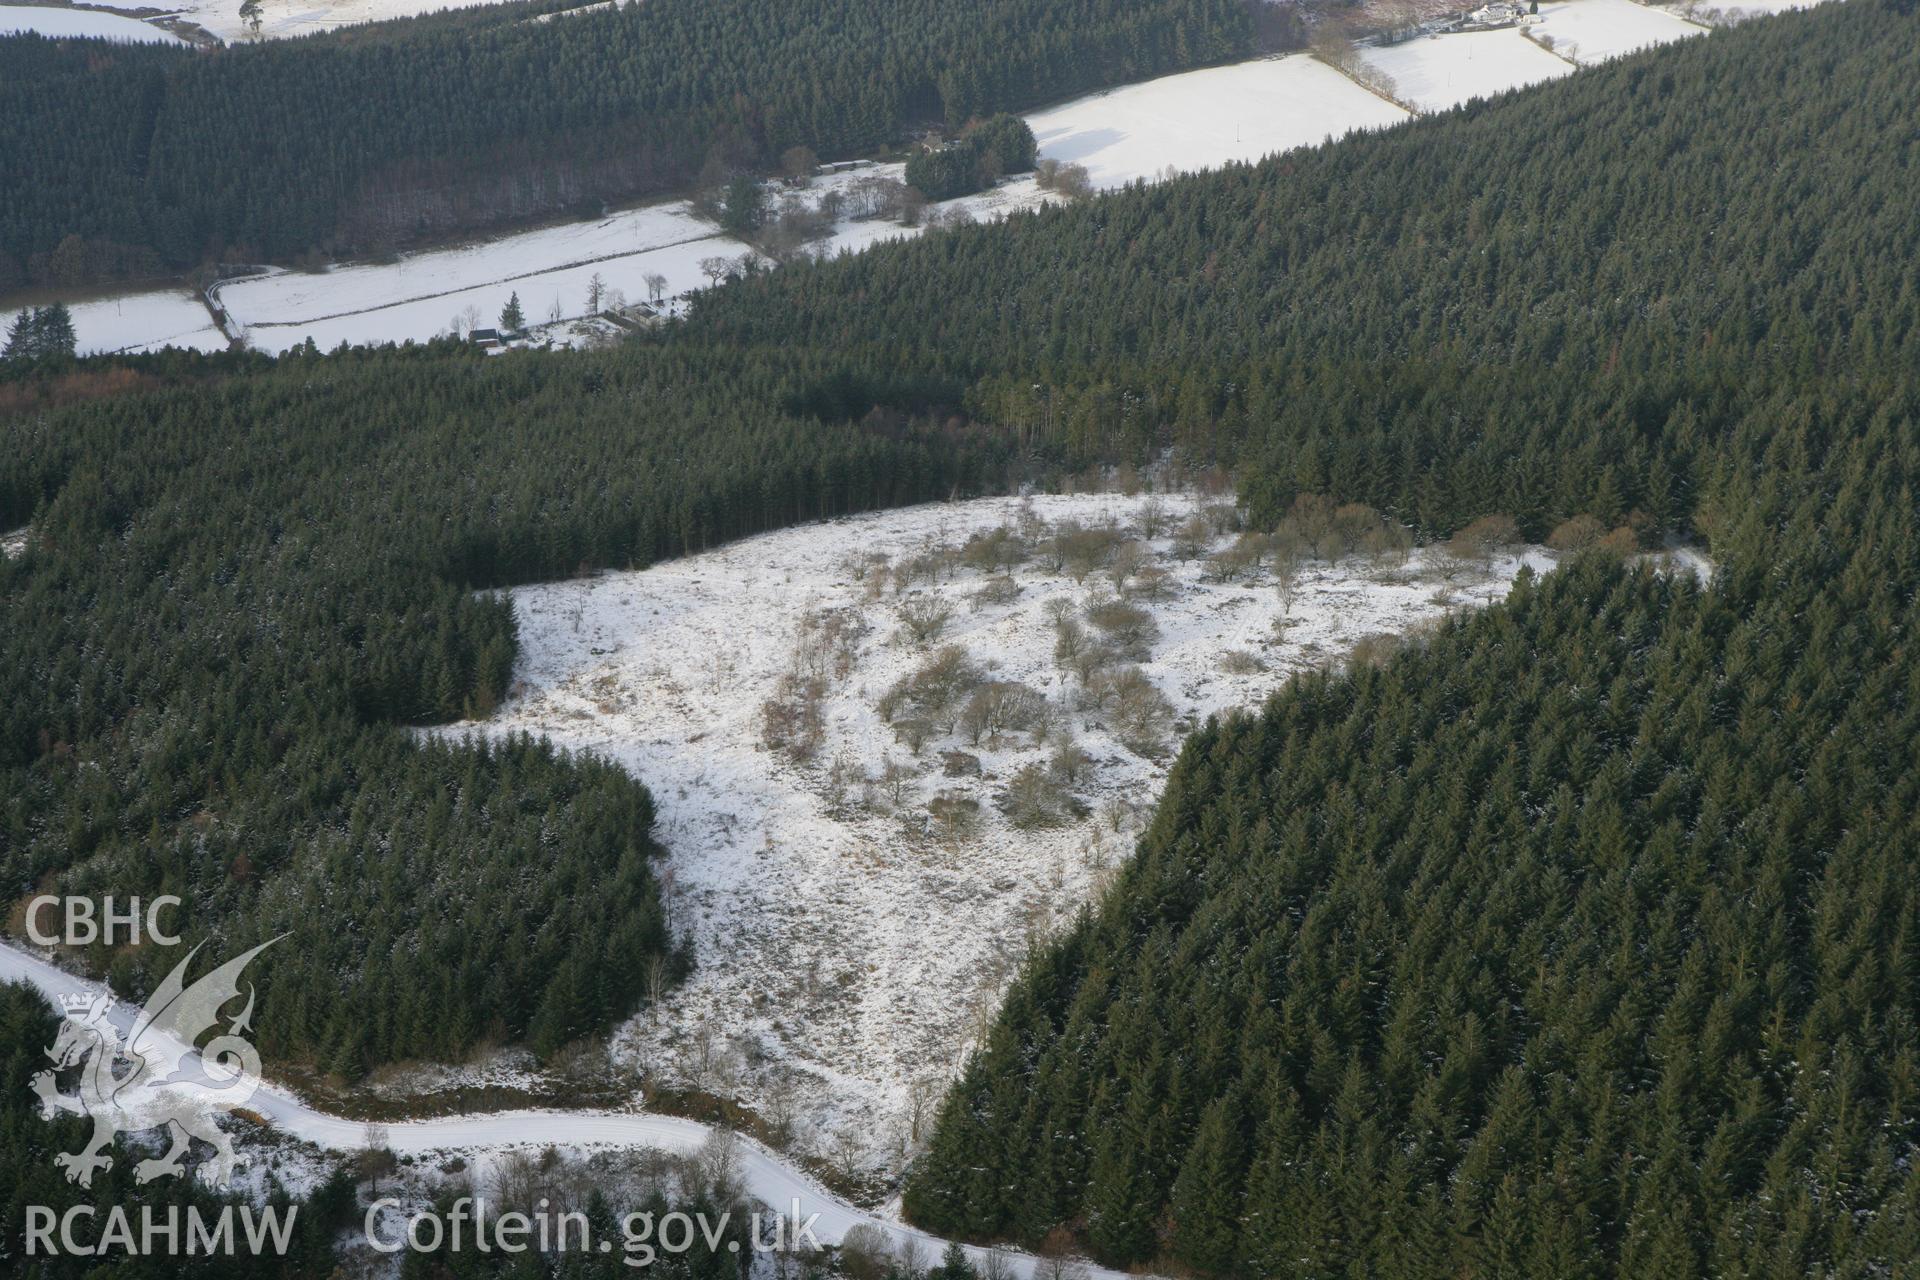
{"type": "Point", "coordinates": [932, 694]}
{"type": "Point", "coordinates": [1129, 631]}
{"type": "Point", "coordinates": [924, 617]}
{"type": "Point", "coordinates": [979, 157]}
{"type": "Point", "coordinates": [1037, 797]}
{"type": "Point", "coordinates": [825, 649]}
{"type": "Point", "coordinates": [1136, 712]}
{"type": "Point", "coordinates": [1000, 707]}
{"type": "Point", "coordinates": [994, 550]}
{"type": "Point", "coordinates": [1064, 178]}
{"type": "Point", "coordinates": [40, 333]}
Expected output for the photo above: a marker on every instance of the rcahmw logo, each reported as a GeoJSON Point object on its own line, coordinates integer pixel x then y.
{"type": "Point", "coordinates": [165, 1084]}
{"type": "Point", "coordinates": [86, 1232]}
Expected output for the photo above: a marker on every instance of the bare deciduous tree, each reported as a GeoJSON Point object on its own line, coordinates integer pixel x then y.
{"type": "Point", "coordinates": [849, 1149]}
{"type": "Point", "coordinates": [865, 1253]}
{"type": "Point", "coordinates": [1128, 628]}
{"type": "Point", "coordinates": [1485, 538]}
{"type": "Point", "coordinates": [1577, 534]}
{"type": "Point", "coordinates": [956, 817]}
{"type": "Point", "coordinates": [922, 1094]}
{"type": "Point", "coordinates": [1192, 538]}
{"type": "Point", "coordinates": [1000, 707]}
{"type": "Point", "coordinates": [376, 1156]}
{"type": "Point", "coordinates": [782, 1112]}
{"type": "Point", "coordinates": [719, 1160]}
{"type": "Point", "coordinates": [656, 979]}
{"type": "Point", "coordinates": [924, 618]}
{"type": "Point", "coordinates": [1311, 522]}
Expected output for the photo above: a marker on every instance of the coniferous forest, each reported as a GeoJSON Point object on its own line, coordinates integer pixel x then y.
{"type": "Point", "coordinates": [29, 1177]}
{"type": "Point", "coordinates": [130, 160]}
{"type": "Point", "coordinates": [244, 590]}
{"type": "Point", "coordinates": [1577, 940]}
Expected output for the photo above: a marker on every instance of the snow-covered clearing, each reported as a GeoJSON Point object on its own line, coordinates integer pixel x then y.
{"type": "Point", "coordinates": [1203, 119]}
{"type": "Point", "coordinates": [764, 1174]}
{"type": "Point", "coordinates": [856, 912]}
{"type": "Point", "coordinates": [145, 322]}
{"type": "Point", "coordinates": [1433, 73]}
{"type": "Point", "coordinates": [12, 544]}
{"type": "Point", "coordinates": [15, 19]}
{"type": "Point", "coordinates": [1590, 31]}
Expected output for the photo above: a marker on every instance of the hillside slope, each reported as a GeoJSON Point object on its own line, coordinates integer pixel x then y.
{"type": "Point", "coordinates": [1581, 941]}
{"type": "Point", "coordinates": [132, 161]}
{"type": "Point", "coordinates": [1679, 286]}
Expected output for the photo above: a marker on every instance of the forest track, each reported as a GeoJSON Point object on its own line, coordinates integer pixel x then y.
{"type": "Point", "coordinates": [767, 1175]}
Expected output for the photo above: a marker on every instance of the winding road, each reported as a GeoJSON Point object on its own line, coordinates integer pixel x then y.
{"type": "Point", "coordinates": [767, 1176]}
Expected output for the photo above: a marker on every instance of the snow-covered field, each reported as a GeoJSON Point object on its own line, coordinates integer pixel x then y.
{"type": "Point", "coordinates": [856, 913]}
{"type": "Point", "coordinates": [15, 19]}
{"type": "Point", "coordinates": [1433, 73]}
{"type": "Point", "coordinates": [145, 322]}
{"type": "Point", "coordinates": [1714, 13]}
{"type": "Point", "coordinates": [1185, 122]}
{"type": "Point", "coordinates": [283, 18]}
{"type": "Point", "coordinates": [1181, 122]}
{"type": "Point", "coordinates": [423, 295]}
{"type": "Point", "coordinates": [1590, 31]}
{"type": "Point", "coordinates": [1203, 119]}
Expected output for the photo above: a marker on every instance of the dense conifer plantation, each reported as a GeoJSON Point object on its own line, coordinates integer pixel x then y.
{"type": "Point", "coordinates": [1579, 941]}
{"type": "Point", "coordinates": [238, 593]}
{"type": "Point", "coordinates": [28, 1176]}
{"type": "Point", "coordinates": [124, 160]}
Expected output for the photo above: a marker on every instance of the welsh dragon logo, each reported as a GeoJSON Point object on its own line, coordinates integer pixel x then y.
{"type": "Point", "coordinates": [167, 1082]}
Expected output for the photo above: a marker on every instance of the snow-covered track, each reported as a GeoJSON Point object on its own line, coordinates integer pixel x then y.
{"type": "Point", "coordinates": [766, 1175]}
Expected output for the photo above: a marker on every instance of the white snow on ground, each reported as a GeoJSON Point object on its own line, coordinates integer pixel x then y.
{"type": "Point", "coordinates": [422, 295]}
{"type": "Point", "coordinates": [283, 18]}
{"type": "Point", "coordinates": [1590, 31]}
{"type": "Point", "coordinates": [764, 1174]}
{"type": "Point", "coordinates": [600, 7]}
{"type": "Point", "coordinates": [1184, 122]}
{"type": "Point", "coordinates": [1187, 121]}
{"type": "Point", "coordinates": [1203, 119]}
{"type": "Point", "coordinates": [1713, 14]}
{"type": "Point", "coordinates": [12, 544]}
{"type": "Point", "coordinates": [15, 19]}
{"type": "Point", "coordinates": [1433, 73]}
{"type": "Point", "coordinates": [850, 236]}
{"type": "Point", "coordinates": [847, 948]}
{"type": "Point", "coordinates": [145, 322]}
